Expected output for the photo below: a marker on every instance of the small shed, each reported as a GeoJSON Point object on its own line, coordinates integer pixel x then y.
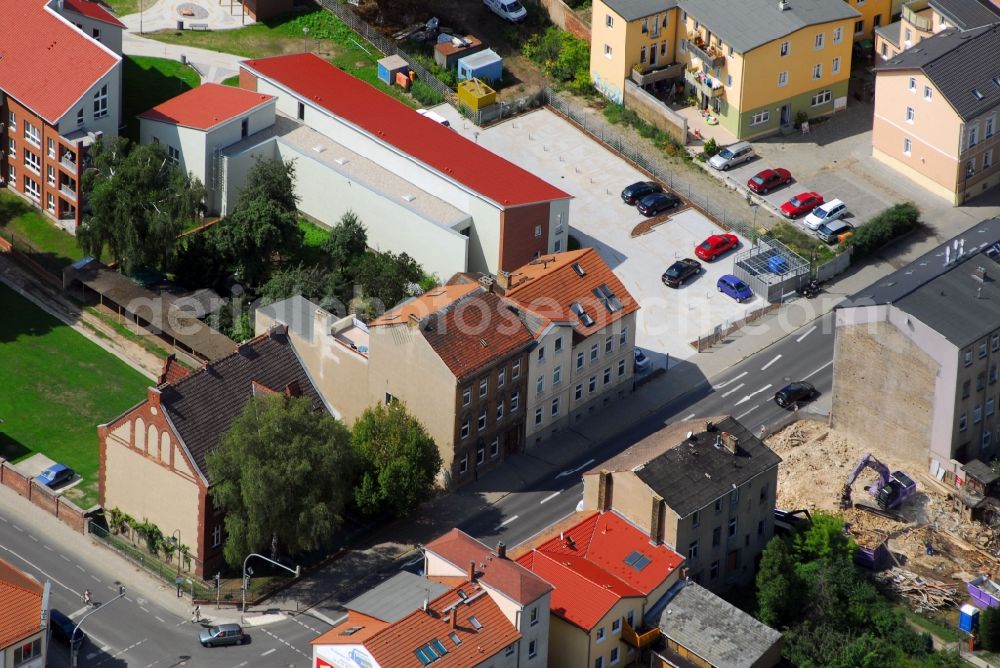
{"type": "Point", "coordinates": [979, 477]}
{"type": "Point", "coordinates": [450, 48]}
{"type": "Point", "coordinates": [389, 67]}
{"type": "Point", "coordinates": [486, 65]}
{"type": "Point", "coordinates": [476, 95]}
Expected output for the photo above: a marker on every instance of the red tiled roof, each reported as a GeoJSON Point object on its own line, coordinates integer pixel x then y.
{"type": "Point", "coordinates": [396, 645]}
{"type": "Point", "coordinates": [588, 570]}
{"type": "Point", "coordinates": [20, 605]}
{"type": "Point", "coordinates": [392, 122]}
{"type": "Point", "coordinates": [425, 304]}
{"type": "Point", "coordinates": [550, 286]}
{"type": "Point", "coordinates": [506, 576]}
{"type": "Point", "coordinates": [206, 106]}
{"type": "Point", "coordinates": [93, 10]}
{"type": "Point", "coordinates": [51, 64]}
{"type": "Point", "coordinates": [366, 626]}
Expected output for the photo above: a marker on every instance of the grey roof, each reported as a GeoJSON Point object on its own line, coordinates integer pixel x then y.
{"type": "Point", "coordinates": [721, 634]}
{"type": "Point", "coordinates": [980, 471]}
{"type": "Point", "coordinates": [297, 312]}
{"type": "Point", "coordinates": [980, 237]}
{"type": "Point", "coordinates": [890, 32]}
{"type": "Point", "coordinates": [480, 58]}
{"type": "Point", "coordinates": [959, 64]}
{"type": "Point", "coordinates": [630, 10]}
{"type": "Point", "coordinates": [747, 24]}
{"type": "Point", "coordinates": [203, 405]}
{"type": "Point", "coordinates": [397, 597]}
{"type": "Point", "coordinates": [956, 304]}
{"type": "Point", "coordinates": [966, 14]}
{"type": "Point", "coordinates": [695, 472]}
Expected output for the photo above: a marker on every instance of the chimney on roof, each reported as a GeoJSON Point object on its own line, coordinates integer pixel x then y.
{"type": "Point", "coordinates": [472, 571]}
{"type": "Point", "coordinates": [731, 442]}
{"type": "Point", "coordinates": [605, 490]}
{"type": "Point", "coordinates": [657, 519]}
{"type": "Point", "coordinates": [487, 283]}
{"type": "Point", "coordinates": [277, 330]}
{"type": "Point", "coordinates": [709, 426]}
{"type": "Point", "coordinates": [980, 274]}
{"type": "Point", "coordinates": [454, 618]}
{"type": "Point", "coordinates": [502, 550]}
{"type": "Point", "coordinates": [503, 280]}
{"type": "Point", "coordinates": [413, 320]}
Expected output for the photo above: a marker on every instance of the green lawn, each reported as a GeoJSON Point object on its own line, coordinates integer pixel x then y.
{"type": "Point", "coordinates": [934, 624]}
{"type": "Point", "coordinates": [150, 81]}
{"type": "Point", "coordinates": [123, 7]}
{"type": "Point", "coordinates": [19, 217]}
{"type": "Point", "coordinates": [329, 37]}
{"type": "Point", "coordinates": [232, 81]}
{"type": "Point", "coordinates": [57, 387]}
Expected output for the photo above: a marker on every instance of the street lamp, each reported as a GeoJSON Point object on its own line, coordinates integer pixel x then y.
{"type": "Point", "coordinates": [72, 637]}
{"type": "Point", "coordinates": [296, 572]}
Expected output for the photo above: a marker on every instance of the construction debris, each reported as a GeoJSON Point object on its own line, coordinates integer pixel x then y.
{"type": "Point", "coordinates": [922, 594]}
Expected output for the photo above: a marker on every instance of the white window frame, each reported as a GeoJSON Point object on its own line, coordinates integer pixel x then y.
{"type": "Point", "coordinates": [556, 376]}
{"type": "Point", "coordinates": [466, 396]}
{"type": "Point", "coordinates": [760, 118]}
{"type": "Point", "coordinates": [501, 377]}
{"type": "Point", "coordinates": [838, 35]}
{"type": "Point", "coordinates": [516, 369]}
{"type": "Point", "coordinates": [217, 535]}
{"type": "Point", "coordinates": [101, 102]}
{"type": "Point", "coordinates": [911, 85]}
{"type": "Point", "coordinates": [11, 121]}
{"type": "Point", "coordinates": [33, 134]}
{"type": "Point", "coordinates": [500, 407]}
{"type": "Point", "coordinates": [481, 419]}
{"type": "Point", "coordinates": [607, 51]}
{"type": "Point", "coordinates": [555, 407]}
{"type": "Point", "coordinates": [51, 147]}
{"type": "Point", "coordinates": [609, 21]}
{"type": "Point", "coordinates": [599, 635]}
{"type": "Point", "coordinates": [911, 115]}
{"type": "Point", "coordinates": [466, 427]}
{"type": "Point", "coordinates": [495, 447]}
{"type": "Point", "coordinates": [50, 202]}
{"type": "Point", "coordinates": [33, 162]}
{"type": "Point", "coordinates": [822, 97]}
{"type": "Point", "coordinates": [514, 397]}
{"type": "Point", "coordinates": [32, 189]}
{"type": "Point", "coordinates": [928, 93]}
{"type": "Point", "coordinates": [817, 71]}
{"type": "Point", "coordinates": [973, 135]}
{"type": "Point", "coordinates": [484, 387]}
{"type": "Point", "coordinates": [784, 49]}
{"type": "Point", "coordinates": [835, 67]}
{"type": "Point", "coordinates": [819, 41]}
{"type": "Point", "coordinates": [907, 146]}
{"type": "Point", "coordinates": [782, 79]}
{"type": "Point", "coordinates": [463, 465]}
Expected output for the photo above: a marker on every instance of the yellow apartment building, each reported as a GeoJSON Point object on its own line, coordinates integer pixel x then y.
{"type": "Point", "coordinates": [756, 64]}
{"type": "Point", "coordinates": [920, 19]}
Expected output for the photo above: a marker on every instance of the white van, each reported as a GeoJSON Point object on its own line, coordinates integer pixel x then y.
{"type": "Point", "coordinates": [436, 117]}
{"type": "Point", "coordinates": [731, 156]}
{"type": "Point", "coordinates": [509, 10]}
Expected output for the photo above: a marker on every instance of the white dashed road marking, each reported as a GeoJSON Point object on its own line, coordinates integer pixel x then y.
{"type": "Point", "coordinates": [160, 619]}
{"type": "Point", "coordinates": [775, 359]}
{"type": "Point", "coordinates": [806, 333]}
{"type": "Point", "coordinates": [735, 389]}
{"type": "Point", "coordinates": [64, 557]}
{"type": "Point", "coordinates": [731, 380]}
{"type": "Point", "coordinates": [551, 496]}
{"type": "Point", "coordinates": [18, 528]}
{"type": "Point", "coordinates": [818, 370]}
{"type": "Point", "coordinates": [270, 651]}
{"type": "Point", "coordinates": [32, 538]}
{"type": "Point", "coordinates": [743, 415]}
{"type": "Point", "coordinates": [506, 522]}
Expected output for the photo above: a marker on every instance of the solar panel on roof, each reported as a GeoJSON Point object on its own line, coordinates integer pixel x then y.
{"type": "Point", "coordinates": [632, 558]}
{"type": "Point", "coordinates": [642, 562]}
{"type": "Point", "coordinates": [437, 645]}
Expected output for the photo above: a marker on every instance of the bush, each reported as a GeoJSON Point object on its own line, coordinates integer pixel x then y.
{"type": "Point", "coordinates": [619, 115]}
{"type": "Point", "coordinates": [709, 148]}
{"type": "Point", "coordinates": [563, 57]}
{"type": "Point", "coordinates": [989, 629]}
{"type": "Point", "coordinates": [893, 222]}
{"type": "Point", "coordinates": [425, 95]}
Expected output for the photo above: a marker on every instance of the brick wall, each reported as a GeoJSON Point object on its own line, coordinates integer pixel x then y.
{"type": "Point", "coordinates": [65, 510]}
{"type": "Point", "coordinates": [563, 16]}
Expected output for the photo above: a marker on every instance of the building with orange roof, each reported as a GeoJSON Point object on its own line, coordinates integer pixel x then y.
{"type": "Point", "coordinates": [705, 488]}
{"type": "Point", "coordinates": [22, 618]}
{"type": "Point", "coordinates": [60, 91]}
{"type": "Point", "coordinates": [585, 328]}
{"type": "Point", "coordinates": [606, 576]}
{"type": "Point", "coordinates": [473, 620]}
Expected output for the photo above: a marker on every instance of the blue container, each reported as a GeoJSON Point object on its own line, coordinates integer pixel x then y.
{"type": "Point", "coordinates": [777, 264]}
{"type": "Point", "coordinates": [485, 65]}
{"type": "Point", "coordinates": [389, 66]}
{"type": "Point", "coordinates": [968, 618]}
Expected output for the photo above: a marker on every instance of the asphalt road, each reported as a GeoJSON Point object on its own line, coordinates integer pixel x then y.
{"type": "Point", "coordinates": [744, 391]}
{"type": "Point", "coordinates": [135, 631]}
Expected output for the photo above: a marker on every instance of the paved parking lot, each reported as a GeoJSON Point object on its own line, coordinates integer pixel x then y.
{"type": "Point", "coordinates": [549, 146]}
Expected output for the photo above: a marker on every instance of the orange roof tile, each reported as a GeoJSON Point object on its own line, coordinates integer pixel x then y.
{"type": "Point", "coordinates": [506, 576]}
{"type": "Point", "coordinates": [551, 285]}
{"type": "Point", "coordinates": [396, 645]}
{"type": "Point", "coordinates": [51, 65]}
{"type": "Point", "coordinates": [206, 106]}
{"type": "Point", "coordinates": [420, 307]}
{"type": "Point", "coordinates": [20, 604]}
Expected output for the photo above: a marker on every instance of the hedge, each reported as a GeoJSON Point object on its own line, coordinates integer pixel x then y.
{"type": "Point", "coordinates": [885, 226]}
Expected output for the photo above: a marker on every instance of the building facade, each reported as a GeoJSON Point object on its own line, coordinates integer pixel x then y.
{"type": "Point", "coordinates": [936, 113]}
{"type": "Point", "coordinates": [756, 65]}
{"type": "Point", "coordinates": [920, 19]}
{"type": "Point", "coordinates": [55, 102]}
{"type": "Point", "coordinates": [709, 496]}
{"type": "Point", "coordinates": [23, 610]}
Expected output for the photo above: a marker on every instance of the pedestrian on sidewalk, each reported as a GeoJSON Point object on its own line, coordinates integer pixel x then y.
{"type": "Point", "coordinates": [196, 614]}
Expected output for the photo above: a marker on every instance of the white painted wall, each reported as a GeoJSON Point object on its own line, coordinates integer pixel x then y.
{"type": "Point", "coordinates": [544, 369]}
{"type": "Point", "coordinates": [110, 36]}
{"type": "Point", "coordinates": [344, 656]}
{"type": "Point", "coordinates": [559, 225]}
{"type": "Point", "coordinates": [326, 195]}
{"type": "Point", "coordinates": [235, 169]}
{"type": "Point", "coordinates": [108, 124]}
{"type": "Point", "coordinates": [484, 237]}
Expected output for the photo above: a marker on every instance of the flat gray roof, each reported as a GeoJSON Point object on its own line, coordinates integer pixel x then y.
{"type": "Point", "coordinates": [480, 58]}
{"type": "Point", "coordinates": [397, 597]}
{"type": "Point", "coordinates": [630, 10]}
{"type": "Point", "coordinates": [747, 24]}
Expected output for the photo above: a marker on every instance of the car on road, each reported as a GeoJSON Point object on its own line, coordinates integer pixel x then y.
{"type": "Point", "coordinates": [62, 628]}
{"type": "Point", "coordinates": [224, 634]}
{"type": "Point", "coordinates": [734, 287]}
{"type": "Point", "coordinates": [635, 192]}
{"type": "Point", "coordinates": [657, 203]}
{"type": "Point", "coordinates": [716, 245]}
{"type": "Point", "coordinates": [825, 213]}
{"type": "Point", "coordinates": [680, 271]}
{"type": "Point", "coordinates": [730, 156]}
{"type": "Point", "coordinates": [794, 393]}
{"type": "Point", "coordinates": [769, 179]}
{"type": "Point", "coordinates": [640, 361]}
{"type": "Point", "coordinates": [801, 204]}
{"type": "Point", "coordinates": [509, 10]}
{"type": "Point", "coordinates": [55, 475]}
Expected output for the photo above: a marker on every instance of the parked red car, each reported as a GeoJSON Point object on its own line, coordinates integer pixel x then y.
{"type": "Point", "coordinates": [766, 181]}
{"type": "Point", "coordinates": [801, 204]}
{"type": "Point", "coordinates": [716, 245]}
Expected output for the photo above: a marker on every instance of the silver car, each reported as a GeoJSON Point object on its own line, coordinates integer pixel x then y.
{"type": "Point", "coordinates": [224, 634]}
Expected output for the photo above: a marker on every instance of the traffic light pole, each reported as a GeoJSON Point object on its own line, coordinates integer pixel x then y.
{"type": "Point", "coordinates": [72, 637]}
{"type": "Point", "coordinates": [246, 585]}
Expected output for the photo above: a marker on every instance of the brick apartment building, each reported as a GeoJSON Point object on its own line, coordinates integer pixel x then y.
{"type": "Point", "coordinates": [60, 91]}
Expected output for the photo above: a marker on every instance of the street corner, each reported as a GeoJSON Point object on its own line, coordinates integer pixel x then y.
{"type": "Point", "coordinates": [264, 619]}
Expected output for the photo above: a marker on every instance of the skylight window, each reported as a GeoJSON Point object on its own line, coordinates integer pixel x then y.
{"type": "Point", "coordinates": [581, 314]}
{"type": "Point", "coordinates": [607, 297]}
{"type": "Point", "coordinates": [578, 269]}
{"type": "Point", "coordinates": [637, 560]}
{"type": "Point", "coordinates": [476, 624]}
{"type": "Point", "coordinates": [350, 631]}
{"type": "Point", "coordinates": [979, 96]}
{"type": "Point", "coordinates": [431, 652]}
{"type": "Point", "coordinates": [996, 80]}
{"type": "Point", "coordinates": [454, 638]}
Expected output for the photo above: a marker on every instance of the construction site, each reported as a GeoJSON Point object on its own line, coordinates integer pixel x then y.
{"type": "Point", "coordinates": [923, 543]}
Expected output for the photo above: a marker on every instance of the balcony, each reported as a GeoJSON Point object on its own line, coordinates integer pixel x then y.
{"type": "Point", "coordinates": [911, 14]}
{"type": "Point", "coordinates": [68, 162]}
{"type": "Point", "coordinates": [639, 639]}
{"type": "Point", "coordinates": [706, 53]}
{"type": "Point", "coordinates": [67, 192]}
{"type": "Point", "coordinates": [650, 75]}
{"type": "Point", "coordinates": [704, 83]}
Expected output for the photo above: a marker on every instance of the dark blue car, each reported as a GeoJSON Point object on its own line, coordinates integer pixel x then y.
{"type": "Point", "coordinates": [735, 288]}
{"type": "Point", "coordinates": [55, 475]}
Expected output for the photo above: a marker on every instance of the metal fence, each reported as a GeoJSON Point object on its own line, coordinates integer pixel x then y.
{"type": "Point", "coordinates": [598, 128]}
{"type": "Point", "coordinates": [771, 269]}
{"type": "Point", "coordinates": [385, 45]}
{"type": "Point", "coordinates": [47, 262]}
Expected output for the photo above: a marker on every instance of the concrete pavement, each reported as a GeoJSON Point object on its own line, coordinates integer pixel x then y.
{"type": "Point", "coordinates": [211, 65]}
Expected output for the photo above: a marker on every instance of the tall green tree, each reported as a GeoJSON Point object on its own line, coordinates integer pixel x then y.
{"type": "Point", "coordinates": [263, 227]}
{"type": "Point", "coordinates": [314, 283]}
{"type": "Point", "coordinates": [347, 242]}
{"type": "Point", "coordinates": [989, 629]}
{"type": "Point", "coordinates": [399, 460]}
{"type": "Point", "coordinates": [387, 279]}
{"type": "Point", "coordinates": [825, 539]}
{"type": "Point", "coordinates": [139, 202]}
{"type": "Point", "coordinates": [778, 590]}
{"type": "Point", "coordinates": [282, 470]}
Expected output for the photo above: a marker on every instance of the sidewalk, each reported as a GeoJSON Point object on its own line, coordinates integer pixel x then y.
{"type": "Point", "coordinates": [213, 66]}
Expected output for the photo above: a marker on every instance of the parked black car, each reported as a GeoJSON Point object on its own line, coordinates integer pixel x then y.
{"type": "Point", "coordinates": [640, 189]}
{"type": "Point", "coordinates": [62, 628]}
{"type": "Point", "coordinates": [680, 271]}
{"type": "Point", "coordinates": [793, 393]}
{"type": "Point", "coordinates": [657, 203]}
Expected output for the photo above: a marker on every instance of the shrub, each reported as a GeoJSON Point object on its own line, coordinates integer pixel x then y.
{"type": "Point", "coordinates": [709, 148]}
{"type": "Point", "coordinates": [989, 629]}
{"type": "Point", "coordinates": [800, 118]}
{"type": "Point", "coordinates": [425, 95]}
{"type": "Point", "coordinates": [563, 57]}
{"type": "Point", "coordinates": [890, 223]}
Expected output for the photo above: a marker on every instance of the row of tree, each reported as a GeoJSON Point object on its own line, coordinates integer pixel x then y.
{"type": "Point", "coordinates": [286, 474]}
{"type": "Point", "coordinates": [830, 612]}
